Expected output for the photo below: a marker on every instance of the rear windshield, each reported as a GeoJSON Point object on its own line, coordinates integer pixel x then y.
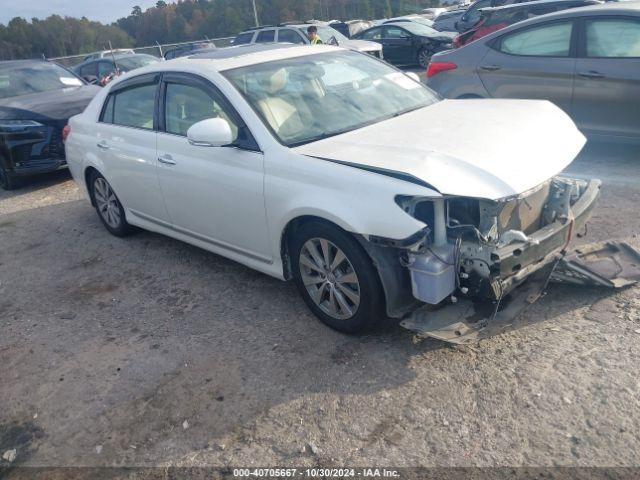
{"type": "Point", "coordinates": [133, 62]}
{"type": "Point", "coordinates": [25, 78]}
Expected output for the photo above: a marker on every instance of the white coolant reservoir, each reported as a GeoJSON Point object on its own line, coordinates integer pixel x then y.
{"type": "Point", "coordinates": [433, 274]}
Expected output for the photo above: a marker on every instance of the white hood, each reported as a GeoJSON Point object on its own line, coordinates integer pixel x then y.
{"type": "Point", "coordinates": [474, 148]}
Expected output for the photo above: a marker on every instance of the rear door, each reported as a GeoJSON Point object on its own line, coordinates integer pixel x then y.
{"type": "Point", "coordinates": [607, 85]}
{"type": "Point", "coordinates": [535, 62]}
{"type": "Point", "coordinates": [397, 45]}
{"type": "Point", "coordinates": [289, 35]}
{"type": "Point", "coordinates": [126, 145]}
{"type": "Point", "coordinates": [266, 36]}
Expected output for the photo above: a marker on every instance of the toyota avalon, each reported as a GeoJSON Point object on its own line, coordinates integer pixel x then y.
{"type": "Point", "coordinates": [332, 168]}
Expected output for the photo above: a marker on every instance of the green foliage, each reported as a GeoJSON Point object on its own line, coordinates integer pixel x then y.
{"type": "Point", "coordinates": [185, 20]}
{"type": "Point", "coordinates": [57, 36]}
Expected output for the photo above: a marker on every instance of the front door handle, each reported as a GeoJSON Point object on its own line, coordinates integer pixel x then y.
{"type": "Point", "coordinates": [103, 145]}
{"type": "Point", "coordinates": [591, 74]}
{"type": "Point", "coordinates": [166, 159]}
{"type": "Point", "coordinates": [490, 68]}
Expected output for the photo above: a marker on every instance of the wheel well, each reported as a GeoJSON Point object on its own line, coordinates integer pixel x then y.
{"type": "Point", "coordinates": [288, 234]}
{"type": "Point", "coordinates": [89, 171]}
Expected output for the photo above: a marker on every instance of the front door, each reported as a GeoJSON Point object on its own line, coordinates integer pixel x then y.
{"type": "Point", "coordinates": [397, 46]}
{"type": "Point", "coordinates": [608, 77]}
{"type": "Point", "coordinates": [213, 194]}
{"type": "Point", "coordinates": [532, 63]}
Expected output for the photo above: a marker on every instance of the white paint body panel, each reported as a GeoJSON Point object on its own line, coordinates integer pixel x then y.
{"type": "Point", "coordinates": [487, 149]}
{"type": "Point", "coordinates": [238, 203]}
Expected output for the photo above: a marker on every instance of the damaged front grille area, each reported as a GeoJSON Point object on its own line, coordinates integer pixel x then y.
{"type": "Point", "coordinates": [511, 242]}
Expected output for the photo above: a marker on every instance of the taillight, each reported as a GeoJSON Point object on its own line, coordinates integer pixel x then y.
{"type": "Point", "coordinates": [65, 132]}
{"type": "Point", "coordinates": [437, 67]}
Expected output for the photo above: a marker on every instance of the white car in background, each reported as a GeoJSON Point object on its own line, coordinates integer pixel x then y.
{"type": "Point", "coordinates": [334, 169]}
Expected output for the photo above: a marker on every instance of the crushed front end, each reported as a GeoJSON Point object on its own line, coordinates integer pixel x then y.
{"type": "Point", "coordinates": [480, 263]}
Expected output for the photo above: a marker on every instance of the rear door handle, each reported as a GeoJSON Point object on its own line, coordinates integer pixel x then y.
{"type": "Point", "coordinates": [490, 68]}
{"type": "Point", "coordinates": [103, 145]}
{"type": "Point", "coordinates": [166, 159]}
{"type": "Point", "coordinates": [591, 74]}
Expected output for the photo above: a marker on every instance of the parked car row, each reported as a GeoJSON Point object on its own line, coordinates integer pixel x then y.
{"type": "Point", "coordinates": [585, 60]}
{"type": "Point", "coordinates": [296, 33]}
{"type": "Point", "coordinates": [101, 70]}
{"type": "Point", "coordinates": [36, 100]}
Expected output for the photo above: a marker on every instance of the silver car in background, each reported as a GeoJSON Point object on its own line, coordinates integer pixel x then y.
{"type": "Point", "coordinates": [585, 60]}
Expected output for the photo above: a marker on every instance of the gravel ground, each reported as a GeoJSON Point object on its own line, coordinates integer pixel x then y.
{"type": "Point", "coordinates": [146, 351]}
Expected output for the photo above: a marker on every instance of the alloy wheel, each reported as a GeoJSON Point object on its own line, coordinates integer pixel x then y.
{"type": "Point", "coordinates": [424, 57]}
{"type": "Point", "coordinates": [107, 203]}
{"type": "Point", "coordinates": [329, 278]}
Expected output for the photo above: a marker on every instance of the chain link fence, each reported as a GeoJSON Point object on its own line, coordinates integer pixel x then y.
{"type": "Point", "coordinates": [157, 50]}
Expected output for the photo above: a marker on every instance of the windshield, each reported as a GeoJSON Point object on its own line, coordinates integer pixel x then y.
{"type": "Point", "coordinates": [24, 78]}
{"type": "Point", "coordinates": [325, 34]}
{"type": "Point", "coordinates": [133, 62]}
{"type": "Point", "coordinates": [418, 29]}
{"type": "Point", "coordinates": [317, 96]}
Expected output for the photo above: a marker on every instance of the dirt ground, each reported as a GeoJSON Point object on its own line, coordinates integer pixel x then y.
{"type": "Point", "coordinates": [146, 351]}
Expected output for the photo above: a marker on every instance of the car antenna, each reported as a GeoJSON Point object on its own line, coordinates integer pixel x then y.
{"type": "Point", "coordinates": [113, 56]}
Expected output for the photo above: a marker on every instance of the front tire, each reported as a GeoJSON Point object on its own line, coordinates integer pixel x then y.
{"type": "Point", "coordinates": [336, 278]}
{"type": "Point", "coordinates": [109, 208]}
{"type": "Point", "coordinates": [8, 181]}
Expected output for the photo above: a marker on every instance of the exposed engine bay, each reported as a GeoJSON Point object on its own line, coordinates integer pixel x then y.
{"type": "Point", "coordinates": [491, 259]}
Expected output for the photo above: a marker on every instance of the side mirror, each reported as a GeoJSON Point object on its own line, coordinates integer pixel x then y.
{"type": "Point", "coordinates": [212, 132]}
{"type": "Point", "coordinates": [333, 41]}
{"type": "Point", "coordinates": [92, 79]}
{"type": "Point", "coordinates": [413, 76]}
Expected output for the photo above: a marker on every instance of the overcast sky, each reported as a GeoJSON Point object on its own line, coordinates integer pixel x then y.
{"type": "Point", "coordinates": [105, 11]}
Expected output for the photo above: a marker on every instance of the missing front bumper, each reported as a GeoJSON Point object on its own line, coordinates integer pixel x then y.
{"type": "Point", "coordinates": [609, 264]}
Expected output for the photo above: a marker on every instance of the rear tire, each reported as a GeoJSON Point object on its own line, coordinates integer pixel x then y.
{"type": "Point", "coordinates": [336, 278]}
{"type": "Point", "coordinates": [424, 57]}
{"type": "Point", "coordinates": [108, 206]}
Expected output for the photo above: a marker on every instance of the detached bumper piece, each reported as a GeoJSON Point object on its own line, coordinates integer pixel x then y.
{"type": "Point", "coordinates": [608, 264]}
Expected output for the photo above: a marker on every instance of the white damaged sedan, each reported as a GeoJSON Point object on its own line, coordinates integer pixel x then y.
{"type": "Point", "coordinates": [334, 169]}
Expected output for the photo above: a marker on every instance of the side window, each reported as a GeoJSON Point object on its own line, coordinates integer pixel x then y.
{"type": "Point", "coordinates": [188, 104]}
{"type": "Point", "coordinates": [105, 68]}
{"type": "Point", "coordinates": [613, 38]}
{"type": "Point", "coordinates": [473, 14]}
{"type": "Point", "coordinates": [266, 36]}
{"type": "Point", "coordinates": [545, 41]}
{"type": "Point", "coordinates": [289, 36]}
{"type": "Point", "coordinates": [373, 34]}
{"type": "Point", "coordinates": [107, 112]}
{"type": "Point", "coordinates": [90, 69]}
{"type": "Point", "coordinates": [134, 107]}
{"type": "Point", "coordinates": [395, 33]}
{"type": "Point", "coordinates": [243, 38]}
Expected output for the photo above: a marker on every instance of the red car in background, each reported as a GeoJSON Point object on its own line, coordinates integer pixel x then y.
{"type": "Point", "coordinates": [497, 18]}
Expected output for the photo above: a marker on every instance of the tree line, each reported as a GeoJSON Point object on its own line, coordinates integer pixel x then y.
{"type": "Point", "coordinates": [185, 20]}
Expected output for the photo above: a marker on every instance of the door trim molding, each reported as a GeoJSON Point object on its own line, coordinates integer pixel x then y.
{"type": "Point", "coordinates": [203, 238]}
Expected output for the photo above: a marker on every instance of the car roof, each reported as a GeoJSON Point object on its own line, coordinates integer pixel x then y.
{"type": "Point", "coordinates": [22, 62]}
{"type": "Point", "coordinates": [610, 8]}
{"type": "Point", "coordinates": [523, 5]}
{"type": "Point", "coordinates": [241, 55]}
